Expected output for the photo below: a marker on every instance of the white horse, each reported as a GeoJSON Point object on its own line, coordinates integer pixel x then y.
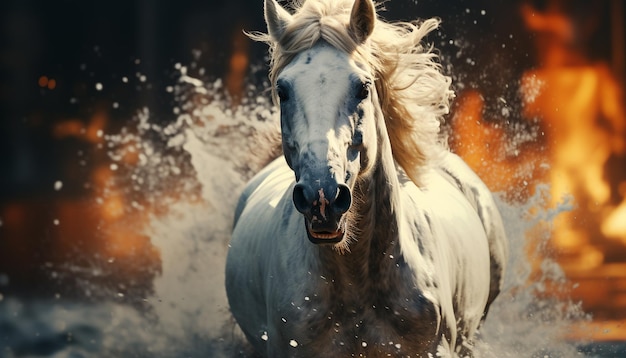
{"type": "Point", "coordinates": [382, 243]}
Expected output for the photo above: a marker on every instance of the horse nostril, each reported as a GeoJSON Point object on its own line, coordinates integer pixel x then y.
{"type": "Point", "coordinates": [300, 200]}
{"type": "Point", "coordinates": [344, 199]}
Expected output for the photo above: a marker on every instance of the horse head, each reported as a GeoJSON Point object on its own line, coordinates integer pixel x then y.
{"type": "Point", "coordinates": [327, 108]}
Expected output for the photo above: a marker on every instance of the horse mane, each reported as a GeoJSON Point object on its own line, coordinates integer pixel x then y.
{"type": "Point", "coordinates": [413, 93]}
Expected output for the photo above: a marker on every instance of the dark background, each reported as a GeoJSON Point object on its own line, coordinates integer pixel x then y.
{"type": "Point", "coordinates": [82, 43]}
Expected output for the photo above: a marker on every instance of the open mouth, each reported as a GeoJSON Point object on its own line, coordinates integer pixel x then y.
{"type": "Point", "coordinates": [325, 235]}
{"type": "Point", "coordinates": [321, 237]}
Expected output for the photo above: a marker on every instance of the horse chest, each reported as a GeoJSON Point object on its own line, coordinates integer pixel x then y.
{"type": "Point", "coordinates": [356, 319]}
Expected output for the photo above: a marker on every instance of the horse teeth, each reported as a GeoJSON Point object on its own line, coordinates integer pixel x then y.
{"type": "Point", "coordinates": [326, 236]}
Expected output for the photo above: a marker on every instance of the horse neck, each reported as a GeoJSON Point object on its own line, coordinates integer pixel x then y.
{"type": "Point", "coordinates": [381, 200]}
{"type": "Point", "coordinates": [375, 216]}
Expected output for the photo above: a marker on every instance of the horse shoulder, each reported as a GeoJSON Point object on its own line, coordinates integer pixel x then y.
{"type": "Point", "coordinates": [453, 249]}
{"type": "Point", "coordinates": [253, 247]}
{"type": "Point", "coordinates": [254, 183]}
{"type": "Point", "coordinates": [455, 171]}
{"type": "Point", "coordinates": [443, 222]}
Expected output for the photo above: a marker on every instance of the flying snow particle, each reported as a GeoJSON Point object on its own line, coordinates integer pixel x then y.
{"type": "Point", "coordinates": [293, 343]}
{"type": "Point", "coordinates": [58, 185]}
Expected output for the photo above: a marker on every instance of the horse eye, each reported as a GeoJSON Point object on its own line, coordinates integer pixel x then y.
{"type": "Point", "coordinates": [282, 94]}
{"type": "Point", "coordinates": [363, 91]}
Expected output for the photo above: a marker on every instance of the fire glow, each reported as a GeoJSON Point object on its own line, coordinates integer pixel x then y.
{"type": "Point", "coordinates": [576, 108]}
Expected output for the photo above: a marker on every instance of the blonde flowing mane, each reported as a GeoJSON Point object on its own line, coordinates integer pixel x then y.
{"type": "Point", "coordinates": [414, 94]}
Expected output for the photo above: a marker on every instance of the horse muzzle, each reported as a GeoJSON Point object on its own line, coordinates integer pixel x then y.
{"type": "Point", "coordinates": [323, 210]}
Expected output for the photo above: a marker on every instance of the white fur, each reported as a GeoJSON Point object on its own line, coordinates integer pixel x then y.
{"type": "Point", "coordinates": [274, 274]}
{"type": "Point", "coordinates": [419, 265]}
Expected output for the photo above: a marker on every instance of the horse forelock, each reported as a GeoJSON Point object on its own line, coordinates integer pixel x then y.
{"type": "Point", "coordinates": [413, 93]}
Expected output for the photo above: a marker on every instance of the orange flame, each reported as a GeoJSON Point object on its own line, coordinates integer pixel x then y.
{"type": "Point", "coordinates": [581, 112]}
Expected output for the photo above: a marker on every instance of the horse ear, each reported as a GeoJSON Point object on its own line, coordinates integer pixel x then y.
{"type": "Point", "coordinates": [276, 18]}
{"type": "Point", "coordinates": [362, 20]}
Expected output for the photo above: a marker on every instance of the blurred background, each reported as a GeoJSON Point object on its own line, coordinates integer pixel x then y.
{"type": "Point", "coordinates": [539, 111]}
